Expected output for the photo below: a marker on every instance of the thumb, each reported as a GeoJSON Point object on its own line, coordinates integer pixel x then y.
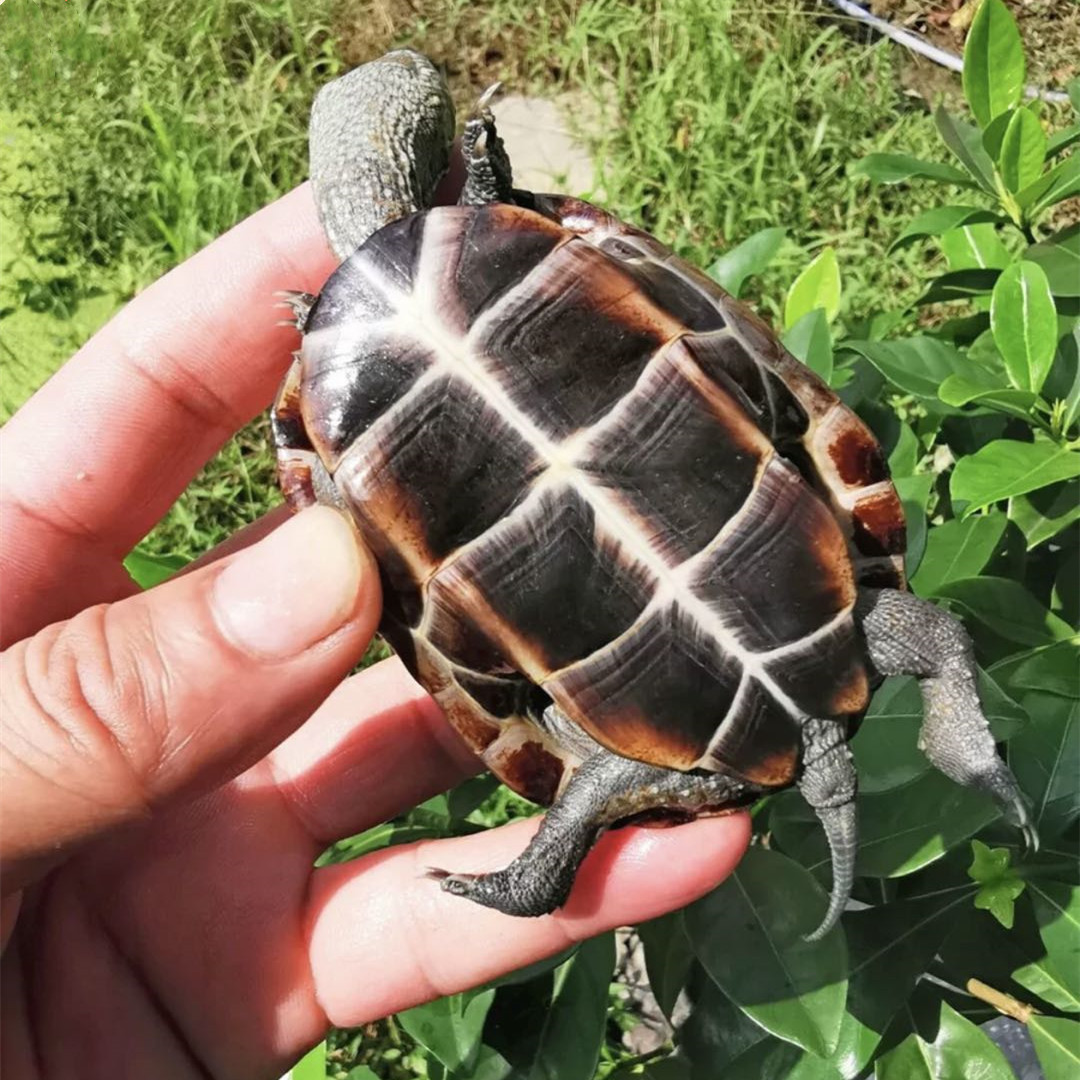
{"type": "Point", "coordinates": [175, 690]}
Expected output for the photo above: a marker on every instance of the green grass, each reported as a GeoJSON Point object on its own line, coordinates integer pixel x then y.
{"type": "Point", "coordinates": [139, 133]}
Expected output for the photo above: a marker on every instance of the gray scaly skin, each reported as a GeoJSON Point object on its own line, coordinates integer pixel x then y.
{"type": "Point", "coordinates": [380, 141]}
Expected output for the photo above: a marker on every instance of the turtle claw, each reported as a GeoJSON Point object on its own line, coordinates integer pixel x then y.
{"type": "Point", "coordinates": [299, 303]}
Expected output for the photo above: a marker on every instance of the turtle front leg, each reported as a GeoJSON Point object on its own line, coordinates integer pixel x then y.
{"type": "Point", "coordinates": [908, 636]}
{"type": "Point", "coordinates": [605, 790]}
{"type": "Point", "coordinates": [488, 176]}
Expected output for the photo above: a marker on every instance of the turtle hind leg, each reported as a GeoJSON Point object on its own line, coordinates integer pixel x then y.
{"type": "Point", "coordinates": [828, 783]}
{"type": "Point", "coordinates": [488, 176]}
{"type": "Point", "coordinates": [605, 791]}
{"type": "Point", "coordinates": [908, 636]}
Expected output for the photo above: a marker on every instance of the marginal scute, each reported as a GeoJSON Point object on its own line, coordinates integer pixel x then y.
{"type": "Point", "coordinates": [878, 519]}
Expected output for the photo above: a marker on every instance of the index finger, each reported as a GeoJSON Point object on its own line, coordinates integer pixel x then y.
{"type": "Point", "coordinates": [99, 454]}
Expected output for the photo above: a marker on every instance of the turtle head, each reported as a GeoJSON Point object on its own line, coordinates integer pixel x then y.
{"type": "Point", "coordinates": [380, 140]}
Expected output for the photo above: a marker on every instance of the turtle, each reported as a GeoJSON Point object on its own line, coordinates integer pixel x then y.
{"type": "Point", "coordinates": [647, 562]}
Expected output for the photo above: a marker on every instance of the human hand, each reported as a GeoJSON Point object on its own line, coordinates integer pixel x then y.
{"type": "Point", "coordinates": [172, 764]}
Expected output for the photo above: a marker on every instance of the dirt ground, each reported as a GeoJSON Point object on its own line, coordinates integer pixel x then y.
{"type": "Point", "coordinates": [1050, 29]}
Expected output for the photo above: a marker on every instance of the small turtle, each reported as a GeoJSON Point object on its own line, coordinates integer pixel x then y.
{"type": "Point", "coordinates": [646, 561]}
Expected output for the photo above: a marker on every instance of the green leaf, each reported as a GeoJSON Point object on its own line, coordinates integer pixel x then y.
{"type": "Point", "coordinates": [958, 392]}
{"type": "Point", "coordinates": [960, 1051]}
{"type": "Point", "coordinates": [1057, 911]}
{"type": "Point", "coordinates": [889, 947]}
{"type": "Point", "coordinates": [1024, 323]}
{"type": "Point", "coordinates": [1042, 978]}
{"type": "Point", "coordinates": [1060, 183]}
{"type": "Point", "coordinates": [999, 883]}
{"type": "Point", "coordinates": [1057, 1042]}
{"type": "Point", "coordinates": [749, 936]}
{"type": "Point", "coordinates": [573, 1031]}
{"type": "Point", "coordinates": [149, 570]}
{"type": "Point", "coordinates": [993, 62]}
{"type": "Point", "coordinates": [450, 1027]}
{"type": "Point", "coordinates": [886, 749]}
{"type": "Point", "coordinates": [906, 453]}
{"type": "Point", "coordinates": [1023, 151]}
{"type": "Point", "coordinates": [914, 492]}
{"type": "Point", "coordinates": [746, 260]}
{"type": "Point", "coordinates": [1005, 468]}
{"type": "Point", "coordinates": [771, 1059]}
{"type": "Point", "coordinates": [668, 957]}
{"type": "Point", "coordinates": [1062, 140]}
{"type": "Point", "coordinates": [1042, 516]}
{"type": "Point", "coordinates": [900, 831]}
{"type": "Point", "coordinates": [1045, 758]}
{"type": "Point", "coordinates": [818, 286]}
{"type": "Point", "coordinates": [1007, 608]}
{"type": "Point", "coordinates": [1064, 382]}
{"type": "Point", "coordinates": [312, 1066]}
{"type": "Point", "coordinates": [1059, 256]}
{"type": "Point", "coordinates": [975, 247]}
{"type": "Point", "coordinates": [918, 364]}
{"type": "Point", "coordinates": [958, 549]}
{"type": "Point", "coordinates": [810, 341]}
{"type": "Point", "coordinates": [965, 142]}
{"type": "Point", "coordinates": [941, 220]}
{"type": "Point", "coordinates": [1054, 670]}
{"type": "Point", "coordinates": [896, 168]}
{"type": "Point", "coordinates": [960, 285]}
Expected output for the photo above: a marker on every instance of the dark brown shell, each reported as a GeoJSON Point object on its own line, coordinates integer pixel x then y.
{"type": "Point", "coordinates": [592, 477]}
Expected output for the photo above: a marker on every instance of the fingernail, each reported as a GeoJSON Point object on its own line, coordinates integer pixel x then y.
{"type": "Point", "coordinates": [293, 588]}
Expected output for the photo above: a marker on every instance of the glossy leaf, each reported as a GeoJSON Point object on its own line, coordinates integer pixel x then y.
{"type": "Point", "coordinates": [900, 831]}
{"type": "Point", "coordinates": [886, 748]}
{"type": "Point", "coordinates": [1060, 183]}
{"type": "Point", "coordinates": [914, 492]}
{"type": "Point", "coordinates": [1057, 911]}
{"type": "Point", "coordinates": [1060, 141]}
{"type": "Point", "coordinates": [975, 247]}
{"type": "Point", "coordinates": [960, 285]}
{"type": "Point", "coordinates": [1042, 978]}
{"type": "Point", "coordinates": [749, 936]}
{"type": "Point", "coordinates": [1023, 151]}
{"type": "Point", "coordinates": [965, 142]}
{"type": "Point", "coordinates": [716, 1031]}
{"type": "Point", "coordinates": [993, 62]}
{"type": "Point", "coordinates": [1057, 1042]}
{"type": "Point", "coordinates": [1024, 323]}
{"type": "Point", "coordinates": [450, 1027]}
{"type": "Point", "coordinates": [889, 948]}
{"type": "Point", "coordinates": [810, 341]}
{"type": "Point", "coordinates": [1043, 516]}
{"type": "Point", "coordinates": [960, 1051]}
{"type": "Point", "coordinates": [568, 1047]}
{"type": "Point", "coordinates": [312, 1066]}
{"type": "Point", "coordinates": [896, 168]}
{"type": "Point", "coordinates": [818, 286]}
{"type": "Point", "coordinates": [1053, 670]}
{"type": "Point", "coordinates": [746, 260]}
{"type": "Point", "coordinates": [1045, 758]}
{"type": "Point", "coordinates": [917, 365]}
{"type": "Point", "coordinates": [940, 220]}
{"type": "Point", "coordinates": [772, 1059]}
{"type": "Point", "coordinates": [999, 884]}
{"type": "Point", "coordinates": [668, 957]}
{"type": "Point", "coordinates": [1007, 608]}
{"type": "Point", "coordinates": [905, 455]}
{"type": "Point", "coordinates": [1059, 256]}
{"type": "Point", "coordinates": [959, 391]}
{"type": "Point", "coordinates": [958, 549]}
{"type": "Point", "coordinates": [1005, 468]}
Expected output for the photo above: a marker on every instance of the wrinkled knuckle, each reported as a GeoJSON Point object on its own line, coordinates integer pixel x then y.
{"type": "Point", "coordinates": [95, 691]}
